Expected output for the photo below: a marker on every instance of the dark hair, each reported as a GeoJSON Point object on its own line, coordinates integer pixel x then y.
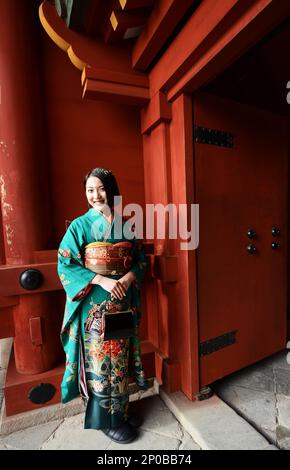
{"type": "Point", "coordinates": [109, 182]}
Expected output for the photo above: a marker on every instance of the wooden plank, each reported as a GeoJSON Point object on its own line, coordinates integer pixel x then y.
{"type": "Point", "coordinates": [222, 33]}
{"type": "Point", "coordinates": [9, 279]}
{"type": "Point", "coordinates": [188, 46]}
{"type": "Point", "coordinates": [18, 386]}
{"type": "Point", "coordinates": [116, 92]}
{"type": "Point", "coordinates": [184, 341]}
{"type": "Point", "coordinates": [166, 268]}
{"type": "Point", "coordinates": [45, 256]}
{"type": "Point", "coordinates": [9, 301]}
{"type": "Point", "coordinates": [162, 22]}
{"type": "Point", "coordinates": [108, 75]}
{"type": "Point", "coordinates": [157, 111]}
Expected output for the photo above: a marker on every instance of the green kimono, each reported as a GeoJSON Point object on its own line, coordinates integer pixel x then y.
{"type": "Point", "coordinates": [98, 370]}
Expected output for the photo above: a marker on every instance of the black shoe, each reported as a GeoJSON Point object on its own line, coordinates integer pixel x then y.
{"type": "Point", "coordinates": [123, 435]}
{"type": "Point", "coordinates": [135, 421]}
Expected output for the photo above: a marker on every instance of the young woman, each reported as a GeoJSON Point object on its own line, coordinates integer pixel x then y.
{"type": "Point", "coordinates": [100, 273]}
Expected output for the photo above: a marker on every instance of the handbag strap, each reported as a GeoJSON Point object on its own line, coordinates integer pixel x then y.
{"type": "Point", "coordinates": [113, 300]}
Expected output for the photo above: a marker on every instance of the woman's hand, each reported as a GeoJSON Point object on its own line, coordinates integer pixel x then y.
{"type": "Point", "coordinates": [127, 279]}
{"type": "Point", "coordinates": [113, 286]}
{"type": "Point", "coordinates": [116, 287]}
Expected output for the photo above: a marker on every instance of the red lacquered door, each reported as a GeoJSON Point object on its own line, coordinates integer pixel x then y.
{"type": "Point", "coordinates": [241, 186]}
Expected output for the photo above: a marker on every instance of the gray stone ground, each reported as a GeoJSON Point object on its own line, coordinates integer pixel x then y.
{"type": "Point", "coordinates": [160, 430]}
{"type": "Point", "coordinates": [261, 394]}
{"type": "Point", "coordinates": [250, 410]}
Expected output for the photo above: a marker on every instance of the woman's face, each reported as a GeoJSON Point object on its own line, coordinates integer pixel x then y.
{"type": "Point", "coordinates": [96, 194]}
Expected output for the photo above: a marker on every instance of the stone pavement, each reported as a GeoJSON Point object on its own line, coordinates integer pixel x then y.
{"type": "Point", "coordinates": [251, 410]}
{"type": "Point", "coordinates": [160, 430]}
{"type": "Point", "coordinates": [261, 394]}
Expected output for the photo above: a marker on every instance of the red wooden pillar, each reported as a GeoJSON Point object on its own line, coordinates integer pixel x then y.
{"type": "Point", "coordinates": [23, 176]}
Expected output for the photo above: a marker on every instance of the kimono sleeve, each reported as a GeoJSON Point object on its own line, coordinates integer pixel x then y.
{"type": "Point", "coordinates": [139, 262]}
{"type": "Point", "coordinates": [74, 277]}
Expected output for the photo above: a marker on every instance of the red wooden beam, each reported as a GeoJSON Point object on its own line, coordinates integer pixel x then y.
{"type": "Point", "coordinates": [125, 88]}
{"type": "Point", "coordinates": [123, 94]}
{"type": "Point", "coordinates": [215, 35]}
{"type": "Point", "coordinates": [9, 279]}
{"type": "Point", "coordinates": [160, 25]}
{"type": "Point", "coordinates": [157, 111]}
{"type": "Point", "coordinates": [9, 301]}
{"type": "Point", "coordinates": [108, 75]}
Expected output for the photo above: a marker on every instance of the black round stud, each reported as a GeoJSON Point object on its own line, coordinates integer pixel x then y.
{"type": "Point", "coordinates": [42, 393]}
{"type": "Point", "coordinates": [275, 232]}
{"type": "Point", "coordinates": [251, 249]}
{"type": "Point", "coordinates": [252, 233]}
{"type": "Point", "coordinates": [275, 245]}
{"type": "Point", "coordinates": [31, 279]}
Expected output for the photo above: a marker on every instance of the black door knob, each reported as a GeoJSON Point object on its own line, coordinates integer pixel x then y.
{"type": "Point", "coordinates": [275, 231]}
{"type": "Point", "coordinates": [275, 245]}
{"type": "Point", "coordinates": [251, 233]}
{"type": "Point", "coordinates": [251, 249]}
{"type": "Point", "coordinates": [31, 279]}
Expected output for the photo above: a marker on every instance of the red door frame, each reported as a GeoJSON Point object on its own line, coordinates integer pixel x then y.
{"type": "Point", "coordinates": [222, 33]}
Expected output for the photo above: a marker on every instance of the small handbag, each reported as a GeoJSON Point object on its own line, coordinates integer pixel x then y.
{"type": "Point", "coordinates": [118, 325]}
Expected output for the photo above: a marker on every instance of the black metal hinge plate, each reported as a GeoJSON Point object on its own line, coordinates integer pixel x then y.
{"type": "Point", "coordinates": [220, 342]}
{"type": "Point", "coordinates": [204, 135]}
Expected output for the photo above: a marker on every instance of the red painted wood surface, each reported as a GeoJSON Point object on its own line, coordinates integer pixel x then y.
{"type": "Point", "coordinates": [9, 278]}
{"type": "Point", "coordinates": [241, 188]}
{"type": "Point", "coordinates": [37, 347]}
{"type": "Point", "coordinates": [24, 188]}
{"type": "Point", "coordinates": [83, 135]}
{"type": "Point", "coordinates": [160, 25]}
{"type": "Point", "coordinates": [157, 111]}
{"type": "Point", "coordinates": [24, 184]}
{"type": "Point", "coordinates": [216, 34]}
{"type": "Point", "coordinates": [156, 147]}
{"type": "Point", "coordinates": [184, 327]}
{"type": "Point", "coordinates": [18, 386]}
{"type": "Point", "coordinates": [248, 24]}
{"type": "Point", "coordinates": [6, 323]}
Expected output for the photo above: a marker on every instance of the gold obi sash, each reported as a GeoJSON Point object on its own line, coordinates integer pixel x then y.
{"type": "Point", "coordinates": [108, 258]}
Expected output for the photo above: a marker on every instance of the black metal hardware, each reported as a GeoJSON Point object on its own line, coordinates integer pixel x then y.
{"type": "Point", "coordinates": [220, 342]}
{"type": "Point", "coordinates": [42, 393]}
{"type": "Point", "coordinates": [251, 249]}
{"type": "Point", "coordinates": [251, 233]}
{"type": "Point", "coordinates": [31, 279]}
{"type": "Point", "coordinates": [275, 245]}
{"type": "Point", "coordinates": [275, 231]}
{"type": "Point", "coordinates": [204, 394]}
{"type": "Point", "coordinates": [204, 135]}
